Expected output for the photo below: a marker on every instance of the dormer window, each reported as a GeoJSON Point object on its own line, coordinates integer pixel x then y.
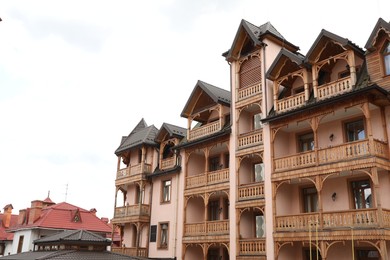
{"type": "Point", "coordinates": [386, 59]}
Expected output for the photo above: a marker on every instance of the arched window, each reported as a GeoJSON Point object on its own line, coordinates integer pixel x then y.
{"type": "Point", "coordinates": [386, 58]}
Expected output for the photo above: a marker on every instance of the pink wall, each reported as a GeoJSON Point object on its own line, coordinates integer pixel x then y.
{"type": "Point", "coordinates": [196, 164]}
{"type": "Point", "coordinates": [195, 210]}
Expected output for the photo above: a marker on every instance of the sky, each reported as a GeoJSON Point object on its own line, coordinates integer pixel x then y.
{"type": "Point", "coordinates": [77, 75]}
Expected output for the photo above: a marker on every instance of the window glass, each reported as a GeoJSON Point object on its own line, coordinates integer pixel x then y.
{"type": "Point", "coordinates": [355, 130]}
{"type": "Point", "coordinates": [310, 200]}
{"type": "Point", "coordinates": [362, 194]}
{"type": "Point", "coordinates": [164, 235]}
{"type": "Point", "coordinates": [386, 58]}
{"type": "Point", "coordinates": [166, 191]}
{"type": "Point", "coordinates": [259, 172]}
{"type": "Point", "coordinates": [260, 226]}
{"type": "Point", "coordinates": [214, 164]}
{"type": "Point", "coordinates": [306, 142]}
{"type": "Point", "coordinates": [256, 121]}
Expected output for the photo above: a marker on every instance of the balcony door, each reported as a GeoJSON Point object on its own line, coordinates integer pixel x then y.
{"type": "Point", "coordinates": [310, 200]}
{"type": "Point", "coordinates": [362, 194]}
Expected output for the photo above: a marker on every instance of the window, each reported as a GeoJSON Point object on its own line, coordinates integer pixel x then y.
{"type": "Point", "coordinates": [214, 210]}
{"type": "Point", "coordinates": [164, 231]}
{"type": "Point", "coordinates": [367, 254]}
{"type": "Point", "coordinates": [355, 130]}
{"type": "Point", "coordinates": [386, 59]}
{"type": "Point", "coordinates": [20, 244]}
{"type": "Point", "coordinates": [257, 121]}
{"type": "Point", "coordinates": [306, 142]}
{"type": "Point", "coordinates": [260, 226]}
{"type": "Point", "coordinates": [310, 200]}
{"type": "Point", "coordinates": [139, 155]}
{"type": "Point", "coordinates": [153, 233]}
{"type": "Point", "coordinates": [214, 164]}
{"type": "Point", "coordinates": [259, 172]}
{"type": "Point", "coordinates": [361, 192]}
{"type": "Point", "coordinates": [166, 191]}
{"type": "Point", "coordinates": [314, 254]}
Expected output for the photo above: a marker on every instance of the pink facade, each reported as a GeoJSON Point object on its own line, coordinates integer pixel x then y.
{"type": "Point", "coordinates": [293, 161]}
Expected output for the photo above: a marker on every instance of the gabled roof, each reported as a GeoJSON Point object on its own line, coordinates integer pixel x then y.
{"type": "Point", "coordinates": [281, 59]}
{"type": "Point", "coordinates": [325, 36]}
{"type": "Point", "coordinates": [76, 236]}
{"type": "Point", "coordinates": [217, 95]}
{"type": "Point", "coordinates": [141, 134]}
{"type": "Point", "coordinates": [380, 25]}
{"type": "Point", "coordinates": [171, 130]}
{"type": "Point", "coordinates": [61, 216]}
{"type": "Point", "coordinates": [256, 34]}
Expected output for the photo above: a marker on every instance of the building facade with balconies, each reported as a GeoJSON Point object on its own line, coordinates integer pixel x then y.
{"type": "Point", "coordinates": [291, 163]}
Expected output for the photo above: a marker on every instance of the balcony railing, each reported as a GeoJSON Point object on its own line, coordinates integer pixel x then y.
{"type": "Point", "coordinates": [359, 218]}
{"type": "Point", "coordinates": [334, 88]}
{"type": "Point", "coordinates": [134, 170]}
{"type": "Point", "coordinates": [333, 154]}
{"type": "Point", "coordinates": [217, 227]}
{"type": "Point", "coordinates": [208, 178]}
{"type": "Point", "coordinates": [251, 191]}
{"type": "Point", "coordinates": [131, 251]}
{"type": "Point", "coordinates": [167, 163]}
{"type": "Point", "coordinates": [250, 139]}
{"type": "Point", "coordinates": [252, 246]}
{"type": "Point", "coordinates": [205, 130]}
{"type": "Point", "coordinates": [248, 92]}
{"type": "Point", "coordinates": [133, 210]}
{"type": "Point", "coordinates": [291, 102]}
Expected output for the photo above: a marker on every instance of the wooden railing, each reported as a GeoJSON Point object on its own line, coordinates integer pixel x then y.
{"type": "Point", "coordinates": [291, 102]}
{"type": "Point", "coordinates": [250, 139]}
{"type": "Point", "coordinates": [167, 163]}
{"type": "Point", "coordinates": [208, 178]}
{"type": "Point", "coordinates": [216, 227]}
{"type": "Point", "coordinates": [251, 191]}
{"type": "Point", "coordinates": [252, 246]}
{"type": "Point", "coordinates": [133, 210]}
{"type": "Point", "coordinates": [134, 170]}
{"type": "Point", "coordinates": [358, 218]}
{"type": "Point", "coordinates": [131, 251]}
{"type": "Point", "coordinates": [334, 88]}
{"type": "Point", "coordinates": [248, 92]}
{"type": "Point", "coordinates": [205, 130]}
{"type": "Point", "coordinates": [333, 154]}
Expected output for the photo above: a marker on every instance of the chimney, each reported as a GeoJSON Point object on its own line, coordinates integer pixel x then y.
{"type": "Point", "coordinates": [35, 211]}
{"type": "Point", "coordinates": [105, 220]}
{"type": "Point", "coordinates": [7, 215]}
{"type": "Point", "coordinates": [22, 217]}
{"type": "Point", "coordinates": [93, 211]}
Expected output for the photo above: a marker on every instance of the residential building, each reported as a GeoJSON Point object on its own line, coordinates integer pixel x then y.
{"type": "Point", "coordinates": [291, 163]}
{"type": "Point", "coordinates": [45, 218]}
{"type": "Point", "coordinates": [7, 221]}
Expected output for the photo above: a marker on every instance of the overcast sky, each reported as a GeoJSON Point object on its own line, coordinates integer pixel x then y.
{"type": "Point", "coordinates": [77, 75]}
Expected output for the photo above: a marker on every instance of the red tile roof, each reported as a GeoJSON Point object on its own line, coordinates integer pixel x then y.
{"type": "Point", "coordinates": [3, 234]}
{"type": "Point", "coordinates": [62, 216]}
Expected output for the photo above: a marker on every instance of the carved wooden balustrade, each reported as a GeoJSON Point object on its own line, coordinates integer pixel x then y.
{"type": "Point", "coordinates": [248, 92]}
{"type": "Point", "coordinates": [251, 191]}
{"type": "Point", "coordinates": [167, 163]}
{"type": "Point", "coordinates": [205, 130]}
{"type": "Point", "coordinates": [291, 102]}
{"type": "Point", "coordinates": [250, 139]}
{"type": "Point", "coordinates": [133, 210]}
{"type": "Point", "coordinates": [359, 218]}
{"type": "Point", "coordinates": [334, 88]}
{"type": "Point", "coordinates": [333, 154]}
{"type": "Point", "coordinates": [252, 246]}
{"type": "Point", "coordinates": [134, 170]}
{"type": "Point", "coordinates": [131, 251]}
{"type": "Point", "coordinates": [208, 178]}
{"type": "Point", "coordinates": [216, 227]}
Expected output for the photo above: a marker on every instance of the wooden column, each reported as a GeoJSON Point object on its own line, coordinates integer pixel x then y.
{"type": "Point", "coordinates": [276, 94]}
{"type": "Point", "coordinates": [143, 159]}
{"type": "Point", "coordinates": [352, 67]}
{"type": "Point", "coordinates": [378, 200]}
{"type": "Point", "coordinates": [306, 84]}
{"type": "Point", "coordinates": [315, 80]}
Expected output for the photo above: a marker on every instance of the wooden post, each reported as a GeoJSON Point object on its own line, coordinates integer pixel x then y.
{"type": "Point", "coordinates": [315, 80]}
{"type": "Point", "coordinates": [306, 84]}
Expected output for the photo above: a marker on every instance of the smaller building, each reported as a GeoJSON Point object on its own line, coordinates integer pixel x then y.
{"type": "Point", "coordinates": [70, 244]}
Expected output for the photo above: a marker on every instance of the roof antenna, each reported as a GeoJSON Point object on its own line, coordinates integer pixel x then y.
{"type": "Point", "coordinates": [66, 191]}
{"type": "Point", "coordinates": [48, 194]}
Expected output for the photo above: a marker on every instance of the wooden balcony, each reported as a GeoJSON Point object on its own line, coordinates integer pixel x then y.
{"type": "Point", "coordinates": [251, 191]}
{"type": "Point", "coordinates": [208, 228]}
{"type": "Point", "coordinates": [205, 130]}
{"type": "Point", "coordinates": [334, 88]}
{"type": "Point", "coordinates": [346, 151]}
{"type": "Point", "coordinates": [132, 173]}
{"type": "Point", "coordinates": [359, 219]}
{"type": "Point", "coordinates": [248, 94]}
{"type": "Point", "coordinates": [290, 103]}
{"type": "Point", "coordinates": [167, 163]}
{"type": "Point", "coordinates": [131, 251]}
{"type": "Point", "coordinates": [208, 178]}
{"type": "Point", "coordinates": [250, 139]}
{"type": "Point", "coordinates": [252, 246]}
{"type": "Point", "coordinates": [131, 213]}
